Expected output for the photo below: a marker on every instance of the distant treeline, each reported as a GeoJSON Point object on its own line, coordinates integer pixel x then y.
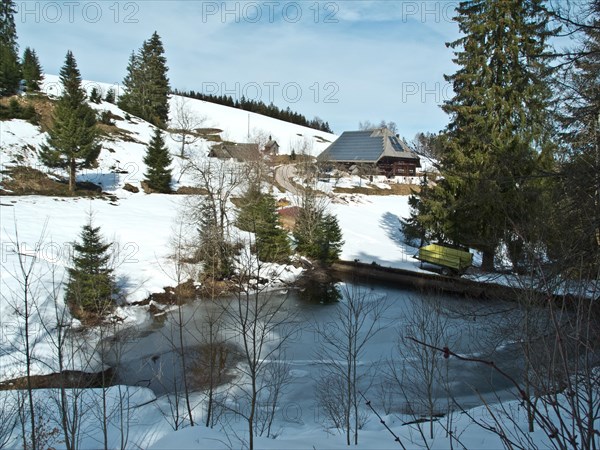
{"type": "Point", "coordinates": [259, 107]}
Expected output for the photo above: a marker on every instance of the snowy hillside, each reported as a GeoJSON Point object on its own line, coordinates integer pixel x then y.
{"type": "Point", "coordinates": [237, 125]}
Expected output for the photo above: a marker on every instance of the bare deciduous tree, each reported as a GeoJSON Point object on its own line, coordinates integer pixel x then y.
{"type": "Point", "coordinates": [211, 212]}
{"type": "Point", "coordinates": [342, 344]}
{"type": "Point", "coordinates": [186, 126]}
{"type": "Point", "coordinates": [260, 324]}
{"type": "Point", "coordinates": [420, 373]}
{"type": "Point", "coordinates": [27, 273]}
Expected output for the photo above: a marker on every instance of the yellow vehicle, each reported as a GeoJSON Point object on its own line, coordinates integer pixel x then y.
{"type": "Point", "coordinates": [453, 261]}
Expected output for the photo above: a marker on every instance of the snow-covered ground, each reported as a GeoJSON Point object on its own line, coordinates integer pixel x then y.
{"type": "Point", "coordinates": [137, 419]}
{"type": "Point", "coordinates": [371, 229]}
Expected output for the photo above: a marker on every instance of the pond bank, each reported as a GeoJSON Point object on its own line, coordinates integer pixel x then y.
{"type": "Point", "coordinates": [69, 379]}
{"type": "Point", "coordinates": [426, 281]}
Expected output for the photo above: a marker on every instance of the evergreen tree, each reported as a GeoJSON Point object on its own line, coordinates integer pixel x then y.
{"type": "Point", "coordinates": [147, 84]}
{"type": "Point", "coordinates": [73, 138]}
{"type": "Point", "coordinates": [110, 96]}
{"type": "Point", "coordinates": [318, 234]}
{"type": "Point", "coordinates": [498, 139]}
{"type": "Point", "coordinates": [10, 69]}
{"type": "Point", "coordinates": [158, 160]}
{"type": "Point", "coordinates": [259, 215]}
{"type": "Point", "coordinates": [32, 71]}
{"type": "Point", "coordinates": [95, 96]}
{"type": "Point", "coordinates": [91, 286]}
{"type": "Point", "coordinates": [418, 227]}
{"type": "Point", "coordinates": [329, 239]}
{"type": "Point", "coordinates": [215, 252]}
{"type": "Point", "coordinates": [578, 205]}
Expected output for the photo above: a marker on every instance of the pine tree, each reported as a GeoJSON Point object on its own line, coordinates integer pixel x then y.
{"type": "Point", "coordinates": [318, 234]}
{"type": "Point", "coordinates": [91, 287]}
{"type": "Point", "coordinates": [329, 239]}
{"type": "Point", "coordinates": [10, 69]}
{"type": "Point", "coordinates": [110, 96]}
{"type": "Point", "coordinates": [32, 71]}
{"type": "Point", "coordinates": [215, 252]}
{"type": "Point", "coordinates": [498, 139]}
{"type": "Point", "coordinates": [259, 215]}
{"type": "Point", "coordinates": [158, 159]}
{"type": "Point", "coordinates": [95, 96]}
{"type": "Point", "coordinates": [147, 84]}
{"type": "Point", "coordinates": [73, 138]}
{"type": "Point", "coordinates": [419, 226]}
{"type": "Point", "coordinates": [578, 207]}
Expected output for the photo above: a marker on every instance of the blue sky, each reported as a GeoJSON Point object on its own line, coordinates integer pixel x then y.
{"type": "Point", "coordinates": [344, 61]}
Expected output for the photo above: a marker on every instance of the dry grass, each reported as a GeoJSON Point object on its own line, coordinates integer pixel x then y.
{"type": "Point", "coordinates": [24, 180]}
{"type": "Point", "coordinates": [44, 107]}
{"type": "Point", "coordinates": [395, 189]}
{"type": "Point", "coordinates": [213, 362]}
{"type": "Point", "coordinates": [191, 190]}
{"type": "Point", "coordinates": [115, 133]}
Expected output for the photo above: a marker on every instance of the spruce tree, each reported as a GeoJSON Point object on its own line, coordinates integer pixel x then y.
{"type": "Point", "coordinates": [110, 96]}
{"type": "Point", "coordinates": [578, 205]}
{"type": "Point", "coordinates": [73, 138]}
{"type": "Point", "coordinates": [215, 252]}
{"type": "Point", "coordinates": [157, 160]}
{"type": "Point", "coordinates": [91, 286]}
{"type": "Point", "coordinates": [329, 239]}
{"type": "Point", "coordinates": [418, 226]}
{"type": "Point", "coordinates": [498, 139]}
{"type": "Point", "coordinates": [318, 234]}
{"type": "Point", "coordinates": [259, 215]}
{"type": "Point", "coordinates": [147, 84]}
{"type": "Point", "coordinates": [32, 71]}
{"type": "Point", "coordinates": [95, 96]}
{"type": "Point", "coordinates": [10, 69]}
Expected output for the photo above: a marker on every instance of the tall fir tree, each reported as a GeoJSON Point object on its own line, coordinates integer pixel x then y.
{"type": "Point", "coordinates": [578, 246]}
{"type": "Point", "coordinates": [10, 69]}
{"type": "Point", "coordinates": [32, 70]}
{"type": "Point", "coordinates": [91, 286]}
{"type": "Point", "coordinates": [147, 84]}
{"type": "Point", "coordinates": [157, 160]}
{"type": "Point", "coordinates": [498, 140]}
{"type": "Point", "coordinates": [73, 138]}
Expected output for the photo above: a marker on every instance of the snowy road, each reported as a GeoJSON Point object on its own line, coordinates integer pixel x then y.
{"type": "Point", "coordinates": [284, 175]}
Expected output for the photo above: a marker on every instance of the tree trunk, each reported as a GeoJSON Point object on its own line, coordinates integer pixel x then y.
{"type": "Point", "coordinates": [487, 263]}
{"type": "Point", "coordinates": [72, 173]}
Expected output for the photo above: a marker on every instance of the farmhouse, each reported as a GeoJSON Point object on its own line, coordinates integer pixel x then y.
{"type": "Point", "coordinates": [239, 152]}
{"type": "Point", "coordinates": [271, 147]}
{"type": "Point", "coordinates": [379, 148]}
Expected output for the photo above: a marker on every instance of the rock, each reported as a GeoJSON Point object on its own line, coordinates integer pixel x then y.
{"type": "Point", "coordinates": [190, 190]}
{"type": "Point", "coordinates": [130, 188]}
{"type": "Point", "coordinates": [147, 189]}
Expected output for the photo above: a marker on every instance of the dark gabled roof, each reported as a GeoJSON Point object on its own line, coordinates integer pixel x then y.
{"type": "Point", "coordinates": [270, 145]}
{"type": "Point", "coordinates": [367, 146]}
{"type": "Point", "coordinates": [241, 152]}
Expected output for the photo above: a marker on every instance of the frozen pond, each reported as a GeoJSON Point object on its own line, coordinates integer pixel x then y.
{"type": "Point", "coordinates": [471, 328]}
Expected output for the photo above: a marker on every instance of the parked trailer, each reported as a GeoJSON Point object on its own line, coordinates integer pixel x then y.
{"type": "Point", "coordinates": [453, 261]}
